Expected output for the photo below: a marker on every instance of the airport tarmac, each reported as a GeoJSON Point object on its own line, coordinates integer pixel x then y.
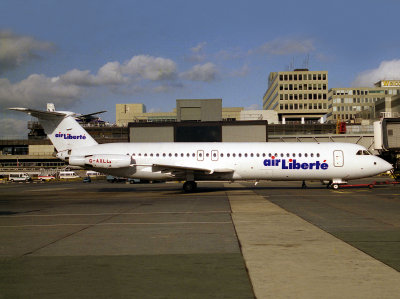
{"type": "Point", "coordinates": [274, 240]}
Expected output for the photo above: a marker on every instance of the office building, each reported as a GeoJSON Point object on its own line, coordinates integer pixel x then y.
{"type": "Point", "coordinates": [299, 96]}
{"type": "Point", "coordinates": [347, 103]}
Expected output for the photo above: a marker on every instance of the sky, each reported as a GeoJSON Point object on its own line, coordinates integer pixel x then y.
{"type": "Point", "coordinates": [87, 56]}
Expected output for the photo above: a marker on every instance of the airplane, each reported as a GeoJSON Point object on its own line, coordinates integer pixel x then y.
{"type": "Point", "coordinates": [335, 163]}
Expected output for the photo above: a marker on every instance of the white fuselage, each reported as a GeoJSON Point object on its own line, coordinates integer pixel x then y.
{"type": "Point", "coordinates": [238, 161]}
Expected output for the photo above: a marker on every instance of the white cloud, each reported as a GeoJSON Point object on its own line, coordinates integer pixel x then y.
{"type": "Point", "coordinates": [142, 73]}
{"type": "Point", "coordinates": [197, 53]}
{"type": "Point", "coordinates": [387, 70]}
{"type": "Point", "coordinates": [201, 72]}
{"type": "Point", "coordinates": [141, 67]}
{"type": "Point", "coordinates": [36, 91]}
{"type": "Point", "coordinates": [16, 49]}
{"type": "Point", "coordinates": [285, 46]}
{"type": "Point", "coordinates": [150, 68]}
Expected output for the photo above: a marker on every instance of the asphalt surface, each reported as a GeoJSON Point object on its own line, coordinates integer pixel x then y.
{"type": "Point", "coordinates": [154, 241]}
{"type": "Point", "coordinates": [368, 219]}
{"type": "Point", "coordinates": [102, 240]}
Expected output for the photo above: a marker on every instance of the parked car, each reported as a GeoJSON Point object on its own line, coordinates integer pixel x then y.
{"type": "Point", "coordinates": [115, 179]}
{"type": "Point", "coordinates": [133, 181]}
{"type": "Point", "coordinates": [46, 178]}
{"type": "Point", "coordinates": [87, 179]}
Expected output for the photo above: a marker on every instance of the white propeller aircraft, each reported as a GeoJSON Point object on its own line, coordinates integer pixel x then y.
{"type": "Point", "coordinates": [333, 162]}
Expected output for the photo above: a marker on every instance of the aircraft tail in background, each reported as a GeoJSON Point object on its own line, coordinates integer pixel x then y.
{"type": "Point", "coordinates": [61, 127]}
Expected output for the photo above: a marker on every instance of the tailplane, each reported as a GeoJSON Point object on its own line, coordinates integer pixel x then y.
{"type": "Point", "coordinates": [61, 127]}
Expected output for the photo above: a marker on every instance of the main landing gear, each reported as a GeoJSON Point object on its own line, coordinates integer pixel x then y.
{"type": "Point", "coordinates": [189, 186]}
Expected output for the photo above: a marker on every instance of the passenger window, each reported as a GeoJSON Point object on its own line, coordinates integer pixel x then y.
{"type": "Point", "coordinates": [170, 154]}
{"type": "Point", "coordinates": [233, 155]}
{"type": "Point", "coordinates": [287, 155]}
{"type": "Point", "coordinates": [305, 155]}
{"type": "Point", "coordinates": [312, 155]}
{"type": "Point", "coordinates": [282, 155]}
{"type": "Point", "coordinates": [294, 155]}
{"type": "Point", "coordinates": [245, 155]}
{"type": "Point", "coordinates": [228, 155]}
{"type": "Point", "coordinates": [300, 155]}
{"type": "Point", "coordinates": [187, 155]}
{"type": "Point", "coordinates": [318, 155]}
{"type": "Point", "coordinates": [251, 155]}
{"type": "Point", "coordinates": [258, 155]}
{"type": "Point", "coordinates": [222, 155]}
{"type": "Point", "coordinates": [182, 155]}
{"type": "Point", "coordinates": [193, 155]}
{"type": "Point", "coordinates": [240, 155]}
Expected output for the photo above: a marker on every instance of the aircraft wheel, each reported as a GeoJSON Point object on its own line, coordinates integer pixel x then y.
{"type": "Point", "coordinates": [189, 186]}
{"type": "Point", "coordinates": [335, 186]}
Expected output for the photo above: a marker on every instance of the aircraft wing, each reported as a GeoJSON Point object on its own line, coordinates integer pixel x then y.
{"type": "Point", "coordinates": [39, 113]}
{"type": "Point", "coordinates": [182, 168]}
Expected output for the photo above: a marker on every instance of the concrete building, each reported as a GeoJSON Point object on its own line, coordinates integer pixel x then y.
{"type": "Point", "coordinates": [231, 113]}
{"type": "Point", "coordinates": [270, 115]}
{"type": "Point", "coordinates": [126, 113]}
{"type": "Point", "coordinates": [191, 109]}
{"type": "Point", "coordinates": [299, 96]}
{"type": "Point", "coordinates": [199, 110]}
{"type": "Point", "coordinates": [348, 104]}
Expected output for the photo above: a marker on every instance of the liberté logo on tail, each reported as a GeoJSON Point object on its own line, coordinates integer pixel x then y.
{"type": "Point", "coordinates": [293, 164]}
{"type": "Point", "coordinates": [69, 136]}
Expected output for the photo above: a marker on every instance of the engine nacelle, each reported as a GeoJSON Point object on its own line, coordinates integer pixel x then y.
{"type": "Point", "coordinates": [102, 161]}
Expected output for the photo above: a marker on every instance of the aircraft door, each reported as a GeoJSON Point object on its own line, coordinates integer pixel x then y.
{"type": "Point", "coordinates": [338, 158]}
{"type": "Point", "coordinates": [214, 155]}
{"type": "Point", "coordinates": [200, 155]}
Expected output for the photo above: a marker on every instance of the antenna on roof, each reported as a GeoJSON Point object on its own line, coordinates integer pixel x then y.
{"type": "Point", "coordinates": [306, 61]}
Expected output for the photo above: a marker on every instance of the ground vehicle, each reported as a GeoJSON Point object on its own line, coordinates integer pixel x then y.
{"type": "Point", "coordinates": [45, 178]}
{"type": "Point", "coordinates": [114, 179]}
{"type": "Point", "coordinates": [87, 179]}
{"type": "Point", "coordinates": [19, 177]}
{"type": "Point", "coordinates": [92, 173]}
{"type": "Point", "coordinates": [68, 175]}
{"type": "Point", "coordinates": [133, 181]}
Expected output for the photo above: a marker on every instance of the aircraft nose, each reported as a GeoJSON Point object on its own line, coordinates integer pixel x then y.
{"type": "Point", "coordinates": [384, 166]}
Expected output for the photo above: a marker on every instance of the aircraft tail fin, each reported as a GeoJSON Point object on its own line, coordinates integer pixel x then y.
{"type": "Point", "coordinates": [61, 127]}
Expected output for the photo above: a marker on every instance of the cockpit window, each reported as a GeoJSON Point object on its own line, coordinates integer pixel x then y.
{"type": "Point", "coordinates": [363, 153]}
